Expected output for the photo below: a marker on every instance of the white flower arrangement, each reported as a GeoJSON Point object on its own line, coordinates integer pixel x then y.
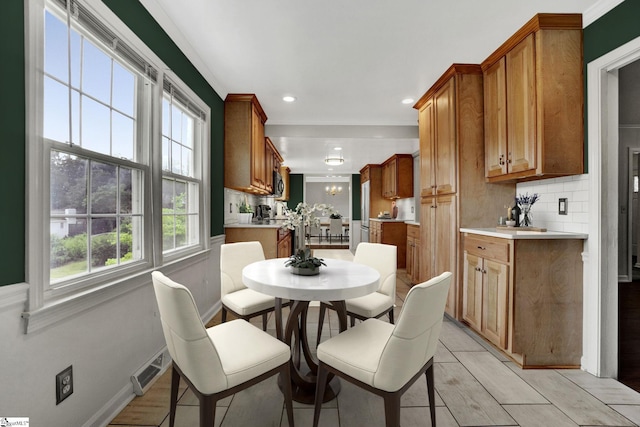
{"type": "Point", "coordinates": [305, 215]}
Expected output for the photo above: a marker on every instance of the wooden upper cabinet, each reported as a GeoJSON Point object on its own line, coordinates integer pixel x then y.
{"type": "Point", "coordinates": [445, 140]}
{"type": "Point", "coordinates": [425, 133]}
{"type": "Point", "coordinates": [244, 144]}
{"type": "Point", "coordinates": [397, 177]}
{"type": "Point", "coordinates": [533, 101]}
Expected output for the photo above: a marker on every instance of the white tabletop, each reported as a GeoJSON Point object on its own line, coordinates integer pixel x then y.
{"type": "Point", "coordinates": [339, 280]}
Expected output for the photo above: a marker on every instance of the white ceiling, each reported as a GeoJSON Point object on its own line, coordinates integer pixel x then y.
{"type": "Point", "coordinates": [349, 63]}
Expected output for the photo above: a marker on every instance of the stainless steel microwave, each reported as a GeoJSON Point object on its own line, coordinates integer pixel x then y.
{"type": "Point", "coordinates": [278, 184]}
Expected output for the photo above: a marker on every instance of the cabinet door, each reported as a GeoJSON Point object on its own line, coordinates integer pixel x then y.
{"type": "Point", "coordinates": [425, 130]}
{"type": "Point", "coordinates": [269, 162]}
{"type": "Point", "coordinates": [495, 120]}
{"type": "Point", "coordinates": [521, 106]}
{"type": "Point", "coordinates": [410, 249]}
{"type": "Point", "coordinates": [415, 274]}
{"type": "Point", "coordinates": [427, 235]}
{"type": "Point", "coordinates": [445, 139]}
{"type": "Point", "coordinates": [258, 173]}
{"type": "Point", "coordinates": [495, 300]}
{"type": "Point", "coordinates": [446, 247]}
{"type": "Point", "coordinates": [472, 290]}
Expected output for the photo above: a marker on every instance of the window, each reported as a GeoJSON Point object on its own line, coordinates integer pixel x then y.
{"type": "Point", "coordinates": [92, 122]}
{"type": "Point", "coordinates": [118, 147]}
{"type": "Point", "coordinates": [182, 133]}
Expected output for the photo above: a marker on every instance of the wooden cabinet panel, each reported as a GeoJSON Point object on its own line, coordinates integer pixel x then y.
{"type": "Point", "coordinates": [413, 253]}
{"type": "Point", "coordinates": [521, 106]}
{"type": "Point", "coordinates": [445, 139]}
{"type": "Point", "coordinates": [284, 243]}
{"type": "Point", "coordinates": [472, 291]}
{"type": "Point", "coordinates": [284, 172]}
{"type": "Point", "coordinates": [390, 233]}
{"type": "Point", "coordinates": [495, 291]}
{"type": "Point", "coordinates": [425, 130]}
{"type": "Point", "coordinates": [536, 79]}
{"type": "Point", "coordinates": [258, 172]}
{"type": "Point", "coordinates": [495, 119]}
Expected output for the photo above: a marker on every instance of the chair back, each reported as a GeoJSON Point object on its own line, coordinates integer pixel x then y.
{"type": "Point", "coordinates": [384, 259]}
{"type": "Point", "coordinates": [415, 336]}
{"type": "Point", "coordinates": [314, 230]}
{"type": "Point", "coordinates": [335, 226]}
{"type": "Point", "coordinates": [187, 340]}
{"type": "Point", "coordinates": [233, 258]}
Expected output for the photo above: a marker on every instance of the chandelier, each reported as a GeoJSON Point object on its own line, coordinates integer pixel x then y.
{"type": "Point", "coordinates": [333, 190]}
{"type": "Point", "coordinates": [334, 160]}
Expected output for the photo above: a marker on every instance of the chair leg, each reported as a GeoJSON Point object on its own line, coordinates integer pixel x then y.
{"type": "Point", "coordinates": [286, 385]}
{"type": "Point", "coordinates": [321, 382]}
{"type": "Point", "coordinates": [264, 322]}
{"type": "Point", "coordinates": [320, 321]}
{"type": "Point", "coordinates": [207, 411]}
{"type": "Point", "coordinates": [392, 409]}
{"type": "Point", "coordinates": [173, 401]}
{"type": "Point", "coordinates": [430, 391]}
{"type": "Point", "coordinates": [224, 314]}
{"type": "Point", "coordinates": [352, 321]}
{"type": "Point", "coordinates": [391, 316]}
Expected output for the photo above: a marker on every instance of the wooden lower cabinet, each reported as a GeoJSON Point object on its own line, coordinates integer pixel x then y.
{"type": "Point", "coordinates": [276, 242]}
{"type": "Point", "coordinates": [525, 297]}
{"type": "Point", "coordinates": [390, 233]}
{"type": "Point", "coordinates": [413, 253]}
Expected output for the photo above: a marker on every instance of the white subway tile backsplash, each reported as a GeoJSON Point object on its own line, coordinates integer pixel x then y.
{"type": "Point", "coordinates": [545, 211]}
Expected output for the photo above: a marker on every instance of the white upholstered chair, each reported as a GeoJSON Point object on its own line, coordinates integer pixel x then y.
{"type": "Point", "coordinates": [335, 228]}
{"type": "Point", "coordinates": [241, 301]}
{"type": "Point", "coordinates": [387, 359]}
{"type": "Point", "coordinates": [219, 361]}
{"type": "Point", "coordinates": [383, 258]}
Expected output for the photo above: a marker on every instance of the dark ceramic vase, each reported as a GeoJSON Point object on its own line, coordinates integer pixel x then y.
{"type": "Point", "coordinates": [305, 271]}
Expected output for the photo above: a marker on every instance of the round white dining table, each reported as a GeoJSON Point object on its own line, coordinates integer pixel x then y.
{"type": "Point", "coordinates": [337, 281]}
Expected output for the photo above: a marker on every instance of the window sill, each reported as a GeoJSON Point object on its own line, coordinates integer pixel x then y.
{"type": "Point", "coordinates": [55, 310]}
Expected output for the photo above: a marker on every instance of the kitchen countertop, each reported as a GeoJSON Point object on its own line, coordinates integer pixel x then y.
{"type": "Point", "coordinates": [412, 223]}
{"type": "Point", "coordinates": [387, 220]}
{"type": "Point", "coordinates": [253, 225]}
{"type": "Point", "coordinates": [516, 234]}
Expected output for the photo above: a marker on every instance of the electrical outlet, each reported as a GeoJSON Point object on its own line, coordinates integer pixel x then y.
{"type": "Point", "coordinates": [563, 206]}
{"type": "Point", "coordinates": [64, 384]}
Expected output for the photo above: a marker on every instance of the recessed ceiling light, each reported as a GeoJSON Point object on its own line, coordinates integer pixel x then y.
{"type": "Point", "coordinates": [288, 98]}
{"type": "Point", "coordinates": [337, 148]}
{"type": "Point", "coordinates": [407, 101]}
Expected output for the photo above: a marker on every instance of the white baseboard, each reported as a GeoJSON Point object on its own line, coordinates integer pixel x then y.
{"type": "Point", "coordinates": [113, 407]}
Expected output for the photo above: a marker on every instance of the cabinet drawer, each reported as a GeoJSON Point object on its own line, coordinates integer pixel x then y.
{"type": "Point", "coordinates": [498, 251]}
{"type": "Point", "coordinates": [413, 231]}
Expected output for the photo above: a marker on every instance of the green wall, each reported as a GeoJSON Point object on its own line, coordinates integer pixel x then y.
{"type": "Point", "coordinates": [355, 197]}
{"type": "Point", "coordinates": [12, 138]}
{"type": "Point", "coordinates": [296, 190]}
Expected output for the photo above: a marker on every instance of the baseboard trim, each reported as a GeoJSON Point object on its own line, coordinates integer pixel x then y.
{"type": "Point", "coordinates": [112, 408]}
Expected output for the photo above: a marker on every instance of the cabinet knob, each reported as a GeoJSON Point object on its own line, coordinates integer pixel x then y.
{"type": "Point", "coordinates": [484, 271]}
{"type": "Point", "coordinates": [482, 248]}
{"type": "Point", "coordinates": [478, 269]}
{"type": "Point", "coordinates": [501, 160]}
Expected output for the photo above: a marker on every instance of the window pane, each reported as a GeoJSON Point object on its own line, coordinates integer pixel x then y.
{"type": "Point", "coordinates": [122, 136]}
{"type": "Point", "coordinates": [187, 130]}
{"type": "Point", "coordinates": [176, 123]}
{"type": "Point", "coordinates": [55, 49]}
{"type": "Point", "coordinates": [68, 184]}
{"type": "Point", "coordinates": [186, 162]}
{"type": "Point", "coordinates": [181, 197]}
{"type": "Point", "coordinates": [123, 89]}
{"type": "Point", "coordinates": [103, 241]}
{"type": "Point", "coordinates": [68, 248]}
{"type": "Point", "coordinates": [96, 72]}
{"type": "Point", "coordinates": [181, 230]}
{"type": "Point", "coordinates": [126, 196]}
{"type": "Point", "coordinates": [103, 188]}
{"type": "Point", "coordinates": [55, 111]}
{"type": "Point", "coordinates": [167, 196]}
{"type": "Point", "coordinates": [134, 228]}
{"type": "Point", "coordinates": [75, 117]}
{"type": "Point", "coordinates": [95, 126]}
{"type": "Point", "coordinates": [76, 56]}
{"type": "Point", "coordinates": [176, 162]}
{"type": "Point", "coordinates": [165, 154]}
{"type": "Point", "coordinates": [126, 242]}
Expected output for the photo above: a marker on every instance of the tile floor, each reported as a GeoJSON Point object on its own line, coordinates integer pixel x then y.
{"type": "Point", "coordinates": [475, 386]}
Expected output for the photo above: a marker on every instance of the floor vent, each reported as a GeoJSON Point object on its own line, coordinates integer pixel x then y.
{"type": "Point", "coordinates": [144, 378]}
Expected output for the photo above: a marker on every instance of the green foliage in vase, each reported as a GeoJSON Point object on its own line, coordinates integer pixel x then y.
{"type": "Point", "coordinates": [303, 259]}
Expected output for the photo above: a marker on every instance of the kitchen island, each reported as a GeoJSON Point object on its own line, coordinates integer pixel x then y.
{"type": "Point", "coordinates": [276, 241]}
{"type": "Point", "coordinates": [522, 291]}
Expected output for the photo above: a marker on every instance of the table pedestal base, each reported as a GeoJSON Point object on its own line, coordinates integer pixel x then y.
{"type": "Point", "coordinates": [308, 396]}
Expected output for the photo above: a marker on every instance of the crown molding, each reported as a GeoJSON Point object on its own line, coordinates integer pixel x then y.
{"type": "Point", "coordinates": [598, 10]}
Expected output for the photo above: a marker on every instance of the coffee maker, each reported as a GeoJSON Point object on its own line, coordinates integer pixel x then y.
{"type": "Point", "coordinates": [263, 212]}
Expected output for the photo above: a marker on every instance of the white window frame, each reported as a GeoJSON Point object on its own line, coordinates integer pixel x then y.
{"type": "Point", "coordinates": [46, 305]}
